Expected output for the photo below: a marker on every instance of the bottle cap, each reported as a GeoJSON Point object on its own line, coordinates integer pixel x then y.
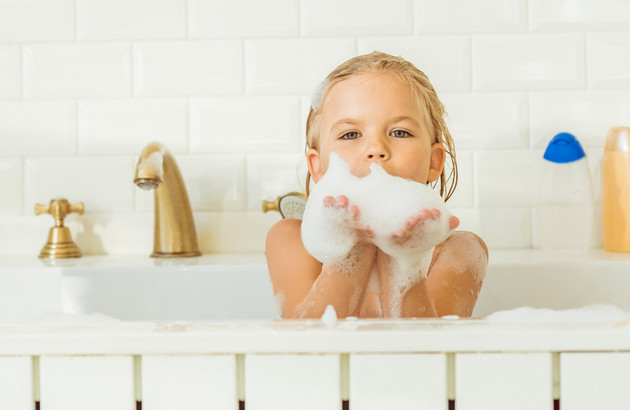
{"type": "Point", "coordinates": [563, 148]}
{"type": "Point", "coordinates": [618, 139]}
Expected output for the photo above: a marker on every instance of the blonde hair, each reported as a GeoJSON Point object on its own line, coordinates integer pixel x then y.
{"type": "Point", "coordinates": [420, 85]}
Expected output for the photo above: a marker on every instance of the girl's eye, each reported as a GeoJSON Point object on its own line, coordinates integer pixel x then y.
{"type": "Point", "coordinates": [400, 134]}
{"type": "Point", "coordinates": [351, 135]}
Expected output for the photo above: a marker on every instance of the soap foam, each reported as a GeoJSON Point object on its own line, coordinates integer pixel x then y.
{"type": "Point", "coordinates": [385, 203]}
{"type": "Point", "coordinates": [330, 316]}
{"type": "Point", "coordinates": [591, 313]}
{"type": "Point", "coordinates": [279, 298]}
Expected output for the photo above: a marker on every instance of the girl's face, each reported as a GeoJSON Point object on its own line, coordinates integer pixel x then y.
{"type": "Point", "coordinates": [374, 117]}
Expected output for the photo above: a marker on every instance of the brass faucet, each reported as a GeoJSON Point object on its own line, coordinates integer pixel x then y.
{"type": "Point", "coordinates": [174, 233]}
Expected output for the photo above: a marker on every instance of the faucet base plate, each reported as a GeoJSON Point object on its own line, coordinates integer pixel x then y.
{"type": "Point", "coordinates": [175, 254]}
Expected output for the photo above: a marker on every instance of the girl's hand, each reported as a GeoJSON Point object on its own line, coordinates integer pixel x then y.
{"type": "Point", "coordinates": [349, 215]}
{"type": "Point", "coordinates": [418, 224]}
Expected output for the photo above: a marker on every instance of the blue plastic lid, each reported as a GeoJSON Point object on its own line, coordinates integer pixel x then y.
{"type": "Point", "coordinates": [563, 148]}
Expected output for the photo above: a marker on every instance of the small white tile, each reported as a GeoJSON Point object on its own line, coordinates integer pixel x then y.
{"type": "Point", "coordinates": [12, 182]}
{"type": "Point", "coordinates": [109, 127]}
{"type": "Point", "coordinates": [528, 62]}
{"type": "Point", "coordinates": [444, 59]}
{"type": "Point", "coordinates": [131, 19]}
{"type": "Point", "coordinates": [38, 128]}
{"type": "Point", "coordinates": [191, 68]}
{"type": "Point", "coordinates": [594, 380]}
{"type": "Point", "coordinates": [461, 16]}
{"type": "Point", "coordinates": [111, 233]}
{"type": "Point", "coordinates": [24, 235]}
{"type": "Point", "coordinates": [273, 175]}
{"type": "Point", "coordinates": [398, 381]}
{"type": "Point", "coordinates": [103, 184]}
{"type": "Point", "coordinates": [36, 20]}
{"type": "Point", "coordinates": [285, 382]}
{"type": "Point", "coordinates": [10, 72]}
{"type": "Point", "coordinates": [245, 124]}
{"type": "Point", "coordinates": [595, 157]}
{"type": "Point", "coordinates": [189, 382]}
{"type": "Point", "coordinates": [500, 228]}
{"type": "Point", "coordinates": [16, 382]}
{"type": "Point", "coordinates": [587, 115]}
{"type": "Point", "coordinates": [506, 228]}
{"type": "Point", "coordinates": [243, 18]}
{"type": "Point", "coordinates": [233, 232]}
{"type": "Point", "coordinates": [488, 120]}
{"type": "Point", "coordinates": [508, 178]}
{"type": "Point", "coordinates": [306, 108]}
{"type": "Point", "coordinates": [324, 18]}
{"type": "Point", "coordinates": [579, 15]}
{"type": "Point", "coordinates": [79, 382]}
{"type": "Point", "coordinates": [609, 59]}
{"type": "Point", "coordinates": [491, 380]}
{"type": "Point", "coordinates": [77, 70]}
{"type": "Point", "coordinates": [293, 66]}
{"type": "Point", "coordinates": [213, 182]}
{"type": "Point", "coordinates": [463, 197]}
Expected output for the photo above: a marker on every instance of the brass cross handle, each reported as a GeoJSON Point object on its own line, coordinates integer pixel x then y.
{"type": "Point", "coordinates": [59, 208]}
{"type": "Point", "coordinates": [60, 243]}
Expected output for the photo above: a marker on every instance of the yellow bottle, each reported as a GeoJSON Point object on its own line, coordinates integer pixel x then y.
{"type": "Point", "coordinates": [616, 190]}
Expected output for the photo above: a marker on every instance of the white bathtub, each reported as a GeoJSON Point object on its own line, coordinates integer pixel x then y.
{"type": "Point", "coordinates": [168, 350]}
{"type": "Point", "coordinates": [215, 287]}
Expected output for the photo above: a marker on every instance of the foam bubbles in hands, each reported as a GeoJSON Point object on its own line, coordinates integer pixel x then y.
{"type": "Point", "coordinates": [385, 204]}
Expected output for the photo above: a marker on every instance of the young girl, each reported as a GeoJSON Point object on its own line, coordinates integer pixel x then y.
{"type": "Point", "coordinates": [377, 108]}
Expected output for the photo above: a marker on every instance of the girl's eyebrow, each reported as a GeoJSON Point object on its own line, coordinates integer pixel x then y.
{"type": "Point", "coordinates": [344, 121]}
{"type": "Point", "coordinates": [405, 118]}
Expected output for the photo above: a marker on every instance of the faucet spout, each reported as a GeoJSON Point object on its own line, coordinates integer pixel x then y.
{"type": "Point", "coordinates": [174, 230]}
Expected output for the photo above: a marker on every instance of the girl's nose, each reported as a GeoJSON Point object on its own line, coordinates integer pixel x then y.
{"type": "Point", "coordinates": [377, 150]}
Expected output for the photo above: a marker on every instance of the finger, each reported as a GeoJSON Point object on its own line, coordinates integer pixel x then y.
{"type": "Point", "coordinates": [435, 212]}
{"type": "Point", "coordinates": [412, 221]}
{"type": "Point", "coordinates": [329, 200]}
{"type": "Point", "coordinates": [354, 210]}
{"type": "Point", "coordinates": [453, 222]}
{"type": "Point", "coordinates": [342, 201]}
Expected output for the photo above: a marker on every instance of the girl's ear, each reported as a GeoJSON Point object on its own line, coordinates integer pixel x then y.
{"type": "Point", "coordinates": [438, 157]}
{"type": "Point", "coordinates": [314, 163]}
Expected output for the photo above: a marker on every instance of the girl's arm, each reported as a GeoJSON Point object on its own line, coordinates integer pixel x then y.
{"type": "Point", "coordinates": [455, 275]}
{"type": "Point", "coordinates": [303, 286]}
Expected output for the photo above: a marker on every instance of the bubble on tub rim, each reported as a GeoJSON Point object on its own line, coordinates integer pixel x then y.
{"type": "Point", "coordinates": [330, 316]}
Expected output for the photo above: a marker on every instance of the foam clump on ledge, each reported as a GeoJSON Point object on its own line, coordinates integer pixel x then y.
{"type": "Point", "coordinates": [330, 316]}
{"type": "Point", "coordinates": [591, 313]}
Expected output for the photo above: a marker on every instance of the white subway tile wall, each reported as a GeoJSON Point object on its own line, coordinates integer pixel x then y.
{"type": "Point", "coordinates": [85, 84]}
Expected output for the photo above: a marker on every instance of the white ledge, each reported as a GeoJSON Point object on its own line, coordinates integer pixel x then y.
{"type": "Point", "coordinates": [313, 336]}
